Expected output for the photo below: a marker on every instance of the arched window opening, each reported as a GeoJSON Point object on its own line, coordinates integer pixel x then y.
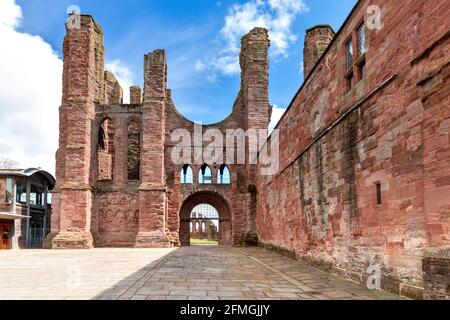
{"type": "Point", "coordinates": [205, 219]}
{"type": "Point", "coordinates": [105, 150]}
{"type": "Point", "coordinates": [133, 151]}
{"type": "Point", "coordinates": [186, 175]}
{"type": "Point", "coordinates": [101, 138]}
{"type": "Point", "coordinates": [205, 175]}
{"type": "Point", "coordinates": [224, 176]}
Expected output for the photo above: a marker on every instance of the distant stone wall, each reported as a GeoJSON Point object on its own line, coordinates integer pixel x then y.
{"type": "Point", "coordinates": [113, 93]}
{"type": "Point", "coordinates": [317, 40]}
{"type": "Point", "coordinates": [135, 95]}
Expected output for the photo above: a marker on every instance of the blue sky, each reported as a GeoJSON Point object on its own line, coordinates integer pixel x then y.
{"type": "Point", "coordinates": [201, 39]}
{"type": "Point", "coordinates": [189, 31]}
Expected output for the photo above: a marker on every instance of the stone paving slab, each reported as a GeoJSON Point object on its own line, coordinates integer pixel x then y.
{"type": "Point", "coordinates": [194, 273]}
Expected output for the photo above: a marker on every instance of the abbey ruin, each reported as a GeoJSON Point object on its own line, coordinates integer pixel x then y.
{"type": "Point", "coordinates": [364, 157]}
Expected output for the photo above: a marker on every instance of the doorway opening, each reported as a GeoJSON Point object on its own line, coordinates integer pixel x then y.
{"type": "Point", "coordinates": [213, 214]}
{"type": "Point", "coordinates": [5, 235]}
{"type": "Point", "coordinates": [204, 225]}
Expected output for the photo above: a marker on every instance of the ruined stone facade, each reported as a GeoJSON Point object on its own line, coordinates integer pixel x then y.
{"type": "Point", "coordinates": [116, 182]}
{"type": "Point", "coordinates": [364, 171]}
{"type": "Point", "coordinates": [364, 175]}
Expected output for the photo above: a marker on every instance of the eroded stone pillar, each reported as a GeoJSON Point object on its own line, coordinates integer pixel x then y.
{"type": "Point", "coordinates": [135, 95]}
{"type": "Point", "coordinates": [254, 61]}
{"type": "Point", "coordinates": [83, 87]}
{"type": "Point", "coordinates": [153, 230]}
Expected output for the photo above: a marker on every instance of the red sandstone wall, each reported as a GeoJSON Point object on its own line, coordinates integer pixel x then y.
{"type": "Point", "coordinates": [116, 219]}
{"type": "Point", "coordinates": [94, 202]}
{"type": "Point", "coordinates": [113, 93]}
{"type": "Point", "coordinates": [115, 208]}
{"type": "Point", "coordinates": [82, 87]}
{"type": "Point", "coordinates": [321, 206]}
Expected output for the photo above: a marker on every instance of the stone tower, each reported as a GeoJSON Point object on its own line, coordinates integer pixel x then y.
{"type": "Point", "coordinates": [254, 63]}
{"type": "Point", "coordinates": [317, 40]}
{"type": "Point", "coordinates": [83, 87]}
{"type": "Point", "coordinates": [152, 191]}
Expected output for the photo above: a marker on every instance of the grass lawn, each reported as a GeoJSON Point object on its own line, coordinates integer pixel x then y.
{"type": "Point", "coordinates": [203, 241]}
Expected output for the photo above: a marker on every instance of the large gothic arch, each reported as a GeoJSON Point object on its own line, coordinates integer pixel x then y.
{"type": "Point", "coordinates": [219, 203]}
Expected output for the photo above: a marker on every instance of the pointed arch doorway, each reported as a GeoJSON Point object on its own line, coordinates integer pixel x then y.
{"type": "Point", "coordinates": [219, 203]}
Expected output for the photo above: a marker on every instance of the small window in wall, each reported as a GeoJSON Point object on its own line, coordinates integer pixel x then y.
{"type": "Point", "coordinates": [186, 175]}
{"type": "Point", "coordinates": [361, 61]}
{"type": "Point", "coordinates": [348, 65]}
{"type": "Point", "coordinates": [349, 54]}
{"type": "Point", "coordinates": [133, 151]}
{"type": "Point", "coordinates": [205, 175]}
{"type": "Point", "coordinates": [361, 39]}
{"type": "Point", "coordinates": [8, 191]}
{"type": "Point", "coordinates": [105, 150]}
{"type": "Point", "coordinates": [378, 193]}
{"type": "Point", "coordinates": [224, 175]}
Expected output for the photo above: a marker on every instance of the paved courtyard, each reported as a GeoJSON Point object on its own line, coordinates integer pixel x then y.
{"type": "Point", "coordinates": [198, 272]}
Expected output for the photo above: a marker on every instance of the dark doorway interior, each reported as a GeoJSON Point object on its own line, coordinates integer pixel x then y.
{"type": "Point", "coordinates": [5, 233]}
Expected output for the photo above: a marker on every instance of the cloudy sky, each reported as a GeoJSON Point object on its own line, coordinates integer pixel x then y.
{"type": "Point", "coordinates": [201, 38]}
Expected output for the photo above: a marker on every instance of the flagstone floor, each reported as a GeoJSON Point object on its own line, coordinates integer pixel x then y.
{"type": "Point", "coordinates": [194, 273]}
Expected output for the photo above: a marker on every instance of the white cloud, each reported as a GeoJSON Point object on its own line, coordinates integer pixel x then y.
{"type": "Point", "coordinates": [10, 13]}
{"type": "Point", "coordinates": [123, 74]}
{"type": "Point", "coordinates": [275, 15]}
{"type": "Point", "coordinates": [301, 67]}
{"type": "Point", "coordinates": [30, 94]}
{"type": "Point", "coordinates": [199, 65]}
{"type": "Point", "coordinates": [277, 113]}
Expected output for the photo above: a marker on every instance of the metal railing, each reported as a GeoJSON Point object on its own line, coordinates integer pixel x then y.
{"type": "Point", "coordinates": [35, 238]}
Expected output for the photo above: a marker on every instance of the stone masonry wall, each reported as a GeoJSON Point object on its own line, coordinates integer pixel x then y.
{"type": "Point", "coordinates": [436, 275]}
{"type": "Point", "coordinates": [83, 84]}
{"type": "Point", "coordinates": [115, 205]}
{"type": "Point", "coordinates": [392, 129]}
{"type": "Point", "coordinates": [116, 219]}
{"type": "Point", "coordinates": [113, 93]}
{"type": "Point", "coordinates": [317, 40]}
{"type": "Point", "coordinates": [135, 95]}
{"type": "Point", "coordinates": [116, 182]}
